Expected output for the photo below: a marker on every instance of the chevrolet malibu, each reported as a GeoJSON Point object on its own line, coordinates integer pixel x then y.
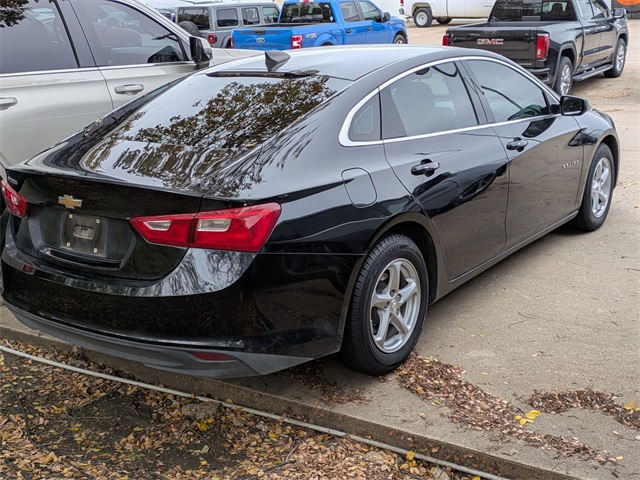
{"type": "Point", "coordinates": [280, 208]}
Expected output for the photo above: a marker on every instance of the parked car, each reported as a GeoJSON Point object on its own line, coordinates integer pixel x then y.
{"type": "Point", "coordinates": [558, 41]}
{"type": "Point", "coordinates": [268, 211]}
{"type": "Point", "coordinates": [443, 11]}
{"type": "Point", "coordinates": [334, 22]}
{"type": "Point", "coordinates": [63, 64]}
{"type": "Point", "coordinates": [216, 21]}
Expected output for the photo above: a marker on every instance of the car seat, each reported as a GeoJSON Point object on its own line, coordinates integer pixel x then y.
{"type": "Point", "coordinates": [416, 105]}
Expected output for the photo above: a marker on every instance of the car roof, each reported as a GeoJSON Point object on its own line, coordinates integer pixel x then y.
{"type": "Point", "coordinates": [348, 62]}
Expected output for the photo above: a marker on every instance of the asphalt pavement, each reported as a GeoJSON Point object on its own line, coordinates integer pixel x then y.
{"type": "Point", "coordinates": [561, 318]}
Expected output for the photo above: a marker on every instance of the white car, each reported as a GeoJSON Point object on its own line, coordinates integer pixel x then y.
{"type": "Point", "coordinates": [63, 64]}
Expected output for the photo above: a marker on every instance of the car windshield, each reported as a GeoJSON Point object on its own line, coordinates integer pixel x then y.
{"type": "Point", "coordinates": [306, 12]}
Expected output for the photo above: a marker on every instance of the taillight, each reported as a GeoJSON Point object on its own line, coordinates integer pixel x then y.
{"type": "Point", "coordinates": [445, 40]}
{"type": "Point", "coordinates": [402, 3]}
{"type": "Point", "coordinates": [296, 41]}
{"type": "Point", "coordinates": [16, 203]}
{"type": "Point", "coordinates": [213, 38]}
{"type": "Point", "coordinates": [230, 44]}
{"type": "Point", "coordinates": [244, 229]}
{"type": "Point", "coordinates": [542, 46]}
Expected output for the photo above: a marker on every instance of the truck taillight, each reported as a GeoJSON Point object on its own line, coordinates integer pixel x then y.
{"type": "Point", "coordinates": [213, 38]}
{"type": "Point", "coordinates": [296, 41]}
{"type": "Point", "coordinates": [542, 46]}
{"type": "Point", "coordinates": [244, 229]}
{"type": "Point", "coordinates": [445, 40]}
{"type": "Point", "coordinates": [230, 44]}
{"type": "Point", "coordinates": [402, 3]}
{"type": "Point", "coordinates": [16, 203]}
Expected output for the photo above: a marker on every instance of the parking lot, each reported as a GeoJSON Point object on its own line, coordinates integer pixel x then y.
{"type": "Point", "coordinates": [553, 327]}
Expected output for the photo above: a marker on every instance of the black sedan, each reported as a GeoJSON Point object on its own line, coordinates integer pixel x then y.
{"type": "Point", "coordinates": [284, 207]}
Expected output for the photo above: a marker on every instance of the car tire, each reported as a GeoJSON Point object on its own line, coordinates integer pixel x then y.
{"type": "Point", "coordinates": [598, 191]}
{"type": "Point", "coordinates": [190, 27]}
{"type": "Point", "coordinates": [564, 77]}
{"type": "Point", "coordinates": [422, 17]}
{"type": "Point", "coordinates": [619, 59]}
{"type": "Point", "coordinates": [399, 39]}
{"type": "Point", "coordinates": [444, 21]}
{"type": "Point", "coordinates": [383, 326]}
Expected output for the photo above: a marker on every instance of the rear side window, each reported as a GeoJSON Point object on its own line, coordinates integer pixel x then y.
{"type": "Point", "coordinates": [434, 99]}
{"type": "Point", "coordinates": [34, 38]}
{"type": "Point", "coordinates": [365, 125]}
{"type": "Point", "coordinates": [270, 14]}
{"type": "Point", "coordinates": [250, 16]}
{"type": "Point", "coordinates": [510, 95]}
{"type": "Point", "coordinates": [307, 12]}
{"type": "Point", "coordinates": [199, 16]}
{"type": "Point", "coordinates": [226, 17]}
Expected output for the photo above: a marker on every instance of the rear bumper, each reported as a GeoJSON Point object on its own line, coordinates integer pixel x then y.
{"type": "Point", "coordinates": [267, 311]}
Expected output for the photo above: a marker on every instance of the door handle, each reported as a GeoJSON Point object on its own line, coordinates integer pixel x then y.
{"type": "Point", "coordinates": [369, 29]}
{"type": "Point", "coordinates": [424, 168]}
{"type": "Point", "coordinates": [130, 89]}
{"type": "Point", "coordinates": [7, 102]}
{"type": "Point", "coordinates": [348, 30]}
{"type": "Point", "coordinates": [517, 144]}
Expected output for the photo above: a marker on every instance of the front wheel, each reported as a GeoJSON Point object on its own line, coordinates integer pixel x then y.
{"type": "Point", "coordinates": [564, 78]}
{"type": "Point", "coordinates": [596, 200]}
{"type": "Point", "coordinates": [388, 307]}
{"type": "Point", "coordinates": [422, 17]}
{"type": "Point", "coordinates": [618, 60]}
{"type": "Point", "coordinates": [399, 39]}
{"type": "Point", "coordinates": [444, 21]}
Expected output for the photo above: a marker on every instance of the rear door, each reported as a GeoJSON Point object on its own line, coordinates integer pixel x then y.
{"type": "Point", "coordinates": [449, 161]}
{"type": "Point", "coordinates": [544, 167]}
{"type": "Point", "coordinates": [49, 85]}
{"type": "Point", "coordinates": [135, 52]}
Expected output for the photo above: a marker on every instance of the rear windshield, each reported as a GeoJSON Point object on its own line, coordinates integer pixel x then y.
{"type": "Point", "coordinates": [199, 16]}
{"type": "Point", "coordinates": [523, 10]}
{"type": "Point", "coordinates": [306, 12]}
{"type": "Point", "coordinates": [226, 115]}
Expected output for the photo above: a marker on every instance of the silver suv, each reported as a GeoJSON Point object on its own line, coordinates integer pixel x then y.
{"type": "Point", "coordinates": [65, 63]}
{"type": "Point", "coordinates": [216, 20]}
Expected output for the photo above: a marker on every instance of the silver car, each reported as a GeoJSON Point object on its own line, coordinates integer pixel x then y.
{"type": "Point", "coordinates": [63, 64]}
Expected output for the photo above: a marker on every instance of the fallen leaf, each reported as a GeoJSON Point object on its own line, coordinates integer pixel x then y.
{"type": "Point", "coordinates": [411, 455]}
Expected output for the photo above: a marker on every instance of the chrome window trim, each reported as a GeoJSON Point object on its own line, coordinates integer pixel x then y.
{"type": "Point", "coordinates": [142, 65]}
{"type": "Point", "coordinates": [49, 72]}
{"type": "Point", "coordinates": [345, 141]}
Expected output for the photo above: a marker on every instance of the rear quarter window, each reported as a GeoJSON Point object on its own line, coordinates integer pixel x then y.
{"type": "Point", "coordinates": [227, 17]}
{"type": "Point", "coordinates": [199, 16]}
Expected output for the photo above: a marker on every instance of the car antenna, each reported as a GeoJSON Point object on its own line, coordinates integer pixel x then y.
{"type": "Point", "coordinates": [275, 59]}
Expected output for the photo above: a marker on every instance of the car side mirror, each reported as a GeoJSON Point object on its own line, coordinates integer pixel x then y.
{"type": "Point", "coordinates": [201, 52]}
{"type": "Point", "coordinates": [573, 106]}
{"type": "Point", "coordinates": [619, 13]}
{"type": "Point", "coordinates": [386, 16]}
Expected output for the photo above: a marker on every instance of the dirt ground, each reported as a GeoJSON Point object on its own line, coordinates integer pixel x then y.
{"type": "Point", "coordinates": [58, 424]}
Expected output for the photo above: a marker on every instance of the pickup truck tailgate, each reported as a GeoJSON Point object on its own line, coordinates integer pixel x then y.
{"type": "Point", "coordinates": [517, 44]}
{"type": "Point", "coordinates": [261, 38]}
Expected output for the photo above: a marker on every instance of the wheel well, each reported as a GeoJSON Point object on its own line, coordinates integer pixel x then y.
{"type": "Point", "coordinates": [327, 44]}
{"type": "Point", "coordinates": [416, 6]}
{"type": "Point", "coordinates": [610, 142]}
{"type": "Point", "coordinates": [624, 37]}
{"type": "Point", "coordinates": [423, 240]}
{"type": "Point", "coordinates": [570, 55]}
{"type": "Point", "coordinates": [402, 34]}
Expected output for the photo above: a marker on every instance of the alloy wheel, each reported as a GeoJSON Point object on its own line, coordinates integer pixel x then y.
{"type": "Point", "coordinates": [565, 80]}
{"type": "Point", "coordinates": [601, 187]}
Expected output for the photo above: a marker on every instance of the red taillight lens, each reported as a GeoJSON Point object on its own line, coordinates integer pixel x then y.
{"type": "Point", "coordinates": [296, 41]}
{"type": "Point", "coordinates": [16, 203]}
{"type": "Point", "coordinates": [213, 38]}
{"type": "Point", "coordinates": [445, 40]}
{"type": "Point", "coordinates": [243, 229]}
{"type": "Point", "coordinates": [230, 44]}
{"type": "Point", "coordinates": [542, 46]}
{"type": "Point", "coordinates": [402, 3]}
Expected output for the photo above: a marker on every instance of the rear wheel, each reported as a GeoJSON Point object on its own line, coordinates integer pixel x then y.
{"type": "Point", "coordinates": [190, 27]}
{"type": "Point", "coordinates": [388, 307]}
{"type": "Point", "coordinates": [444, 21]}
{"type": "Point", "coordinates": [596, 200]}
{"type": "Point", "coordinates": [618, 60]}
{"type": "Point", "coordinates": [564, 78]}
{"type": "Point", "coordinates": [399, 39]}
{"type": "Point", "coordinates": [422, 17]}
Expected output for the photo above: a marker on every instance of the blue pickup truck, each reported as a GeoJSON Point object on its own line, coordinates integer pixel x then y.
{"type": "Point", "coordinates": [310, 23]}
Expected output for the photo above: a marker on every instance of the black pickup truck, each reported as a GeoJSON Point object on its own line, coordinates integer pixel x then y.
{"type": "Point", "coordinates": [559, 41]}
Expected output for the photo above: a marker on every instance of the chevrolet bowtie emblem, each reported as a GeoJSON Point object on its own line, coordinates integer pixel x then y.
{"type": "Point", "coordinates": [69, 202]}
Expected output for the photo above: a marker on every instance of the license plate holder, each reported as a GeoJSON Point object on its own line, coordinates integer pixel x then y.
{"type": "Point", "coordinates": [86, 234]}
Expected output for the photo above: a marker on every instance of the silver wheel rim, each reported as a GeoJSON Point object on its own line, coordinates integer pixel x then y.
{"type": "Point", "coordinates": [399, 40]}
{"type": "Point", "coordinates": [565, 80]}
{"type": "Point", "coordinates": [421, 18]}
{"type": "Point", "coordinates": [620, 58]}
{"type": "Point", "coordinates": [395, 305]}
{"type": "Point", "coordinates": [600, 187]}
